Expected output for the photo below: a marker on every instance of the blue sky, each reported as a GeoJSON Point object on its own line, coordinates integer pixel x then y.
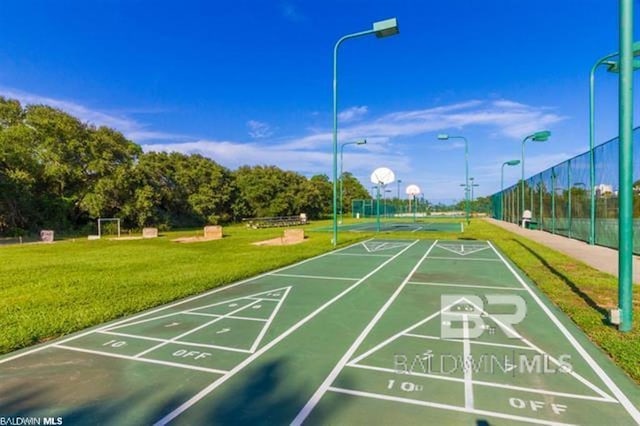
{"type": "Point", "coordinates": [250, 81]}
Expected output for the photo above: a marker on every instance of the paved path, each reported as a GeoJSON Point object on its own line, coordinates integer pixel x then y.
{"type": "Point", "coordinates": [601, 258]}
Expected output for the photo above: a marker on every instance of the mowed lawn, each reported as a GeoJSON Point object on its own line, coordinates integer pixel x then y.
{"type": "Point", "coordinates": [50, 290]}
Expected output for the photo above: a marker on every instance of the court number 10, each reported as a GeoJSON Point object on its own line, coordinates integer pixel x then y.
{"type": "Point", "coordinates": [405, 386]}
{"type": "Point", "coordinates": [115, 343]}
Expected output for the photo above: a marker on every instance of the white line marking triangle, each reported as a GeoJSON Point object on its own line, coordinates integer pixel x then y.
{"type": "Point", "coordinates": [448, 309]}
{"type": "Point", "coordinates": [462, 249]}
{"type": "Point", "coordinates": [374, 246]}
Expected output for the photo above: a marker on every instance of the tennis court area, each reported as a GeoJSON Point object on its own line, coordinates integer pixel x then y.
{"type": "Point", "coordinates": [380, 332]}
{"type": "Point", "coordinates": [400, 225]}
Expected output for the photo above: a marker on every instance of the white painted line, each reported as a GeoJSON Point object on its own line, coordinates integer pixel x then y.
{"type": "Point", "coordinates": [363, 255]}
{"type": "Point", "coordinates": [466, 285]}
{"type": "Point", "coordinates": [628, 405]}
{"type": "Point", "coordinates": [444, 406]}
{"type": "Point", "coordinates": [473, 342]}
{"type": "Point", "coordinates": [151, 361]}
{"type": "Point", "coordinates": [467, 367]}
{"type": "Point", "coordinates": [167, 306]}
{"type": "Point", "coordinates": [403, 332]}
{"type": "Point", "coordinates": [317, 277]}
{"type": "Point", "coordinates": [137, 322]}
{"type": "Point", "coordinates": [322, 389]}
{"type": "Point", "coordinates": [229, 317]}
{"type": "Point", "coordinates": [207, 390]}
{"type": "Point", "coordinates": [193, 330]}
{"type": "Point", "coordinates": [487, 384]}
{"type": "Point", "coordinates": [135, 336]}
{"type": "Point", "coordinates": [262, 298]}
{"type": "Point", "coordinates": [465, 258]}
{"type": "Point", "coordinates": [541, 352]}
{"type": "Point", "coordinates": [417, 229]}
{"type": "Point", "coordinates": [236, 317]}
{"type": "Point", "coordinates": [269, 321]}
{"type": "Point", "coordinates": [204, 345]}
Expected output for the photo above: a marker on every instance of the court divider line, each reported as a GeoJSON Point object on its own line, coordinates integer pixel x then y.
{"type": "Point", "coordinates": [467, 370]}
{"type": "Point", "coordinates": [322, 389]}
{"type": "Point", "coordinates": [131, 358]}
{"type": "Point", "coordinates": [463, 258]}
{"type": "Point", "coordinates": [362, 255]}
{"type": "Point", "coordinates": [170, 305]}
{"type": "Point", "coordinates": [207, 390]}
{"type": "Point", "coordinates": [486, 384]}
{"type": "Point", "coordinates": [193, 330]}
{"type": "Point", "coordinates": [316, 277]}
{"type": "Point", "coordinates": [465, 285]}
{"type": "Point", "coordinates": [622, 398]}
{"type": "Point", "coordinates": [265, 327]}
{"type": "Point", "coordinates": [473, 342]}
{"type": "Point", "coordinates": [444, 406]}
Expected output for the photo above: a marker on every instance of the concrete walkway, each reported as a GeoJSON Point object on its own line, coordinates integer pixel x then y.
{"type": "Point", "coordinates": [598, 257]}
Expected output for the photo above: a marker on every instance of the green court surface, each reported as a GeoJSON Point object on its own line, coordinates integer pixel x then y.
{"type": "Point", "coordinates": [380, 332]}
{"type": "Point", "coordinates": [397, 225]}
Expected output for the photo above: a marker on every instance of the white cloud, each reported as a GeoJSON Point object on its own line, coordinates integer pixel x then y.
{"type": "Point", "coordinates": [259, 130]}
{"type": "Point", "coordinates": [352, 114]}
{"type": "Point", "coordinates": [131, 128]}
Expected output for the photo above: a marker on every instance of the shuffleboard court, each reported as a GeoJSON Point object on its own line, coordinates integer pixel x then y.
{"type": "Point", "coordinates": [396, 225]}
{"type": "Point", "coordinates": [380, 332]}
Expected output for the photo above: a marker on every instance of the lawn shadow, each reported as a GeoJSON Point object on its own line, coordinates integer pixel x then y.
{"type": "Point", "coordinates": [567, 281]}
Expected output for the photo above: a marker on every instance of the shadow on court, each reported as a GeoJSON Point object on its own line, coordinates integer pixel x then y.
{"type": "Point", "coordinates": [272, 395]}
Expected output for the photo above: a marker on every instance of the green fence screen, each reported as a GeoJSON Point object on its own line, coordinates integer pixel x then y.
{"type": "Point", "coordinates": [559, 198]}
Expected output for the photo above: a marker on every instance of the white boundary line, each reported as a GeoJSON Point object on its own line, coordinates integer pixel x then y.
{"type": "Point", "coordinates": [193, 330]}
{"type": "Point", "coordinates": [316, 277]}
{"type": "Point", "coordinates": [487, 384]}
{"type": "Point", "coordinates": [443, 406]}
{"type": "Point", "coordinates": [363, 255]}
{"type": "Point", "coordinates": [622, 398]}
{"type": "Point", "coordinates": [322, 389]}
{"type": "Point", "coordinates": [258, 339]}
{"type": "Point", "coordinates": [467, 369]}
{"type": "Point", "coordinates": [466, 285]}
{"type": "Point", "coordinates": [167, 306]}
{"type": "Point", "coordinates": [216, 315]}
{"type": "Point", "coordinates": [463, 258]}
{"type": "Point", "coordinates": [473, 342]}
{"type": "Point", "coordinates": [151, 361]}
{"type": "Point", "coordinates": [207, 390]}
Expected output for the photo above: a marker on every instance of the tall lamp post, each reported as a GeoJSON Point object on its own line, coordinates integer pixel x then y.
{"type": "Point", "coordinates": [360, 142]}
{"type": "Point", "coordinates": [472, 185]}
{"type": "Point", "coordinates": [381, 29]}
{"type": "Point", "coordinates": [612, 66]}
{"type": "Point", "coordinates": [541, 136]}
{"type": "Point", "coordinates": [398, 193]}
{"type": "Point", "coordinates": [444, 137]}
{"type": "Point", "coordinates": [506, 163]}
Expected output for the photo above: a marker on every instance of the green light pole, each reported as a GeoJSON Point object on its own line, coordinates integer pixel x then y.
{"type": "Point", "coordinates": [506, 163]}
{"type": "Point", "coordinates": [541, 136]}
{"type": "Point", "coordinates": [444, 137]}
{"type": "Point", "coordinates": [625, 194]}
{"type": "Point", "coordinates": [398, 193]}
{"type": "Point", "coordinates": [381, 29]}
{"type": "Point", "coordinates": [361, 142]}
{"type": "Point", "coordinates": [612, 66]}
{"type": "Point", "coordinates": [472, 185]}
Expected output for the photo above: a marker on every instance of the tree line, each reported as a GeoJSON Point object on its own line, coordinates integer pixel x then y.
{"type": "Point", "coordinates": [59, 173]}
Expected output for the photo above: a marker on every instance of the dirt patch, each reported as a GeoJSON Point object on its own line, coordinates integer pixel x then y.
{"type": "Point", "coordinates": [194, 239]}
{"type": "Point", "coordinates": [280, 241]}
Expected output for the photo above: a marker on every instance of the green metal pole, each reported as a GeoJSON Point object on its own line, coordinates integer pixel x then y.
{"type": "Point", "coordinates": [553, 201]}
{"type": "Point", "coordinates": [540, 216]}
{"type": "Point", "coordinates": [502, 189]}
{"type": "Point", "coordinates": [522, 177]}
{"type": "Point", "coordinates": [625, 194]}
{"type": "Point", "coordinates": [378, 207]}
{"type": "Point", "coordinates": [341, 181]}
{"type": "Point", "coordinates": [335, 129]}
{"type": "Point", "coordinates": [569, 195]}
{"type": "Point", "coordinates": [466, 176]}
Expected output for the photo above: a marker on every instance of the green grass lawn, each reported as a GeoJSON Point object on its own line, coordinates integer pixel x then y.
{"type": "Point", "coordinates": [50, 290]}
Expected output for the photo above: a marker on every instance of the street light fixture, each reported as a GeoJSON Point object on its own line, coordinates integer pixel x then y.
{"type": "Point", "coordinates": [506, 163]}
{"type": "Point", "coordinates": [360, 142]}
{"type": "Point", "coordinates": [444, 137]}
{"type": "Point", "coordinates": [381, 29]}
{"type": "Point", "coordinates": [399, 181]}
{"type": "Point", "coordinates": [472, 185]}
{"type": "Point", "coordinates": [541, 136]}
{"type": "Point", "coordinates": [612, 66]}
